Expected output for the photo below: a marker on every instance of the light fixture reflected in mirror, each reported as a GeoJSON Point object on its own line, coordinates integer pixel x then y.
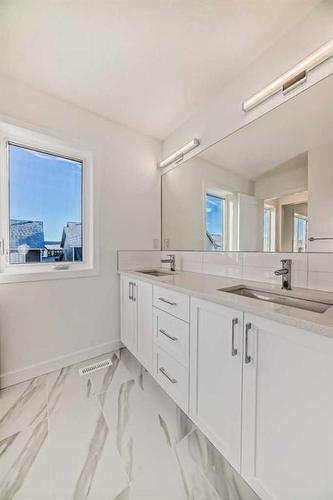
{"type": "Point", "coordinates": [178, 155]}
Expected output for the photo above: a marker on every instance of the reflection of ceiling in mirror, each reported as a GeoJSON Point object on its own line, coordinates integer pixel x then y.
{"type": "Point", "coordinates": [297, 126]}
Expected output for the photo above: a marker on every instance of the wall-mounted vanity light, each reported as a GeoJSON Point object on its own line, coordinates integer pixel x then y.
{"type": "Point", "coordinates": [292, 78]}
{"type": "Point", "coordinates": [178, 155]}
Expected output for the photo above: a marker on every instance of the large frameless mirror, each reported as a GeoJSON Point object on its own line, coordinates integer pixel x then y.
{"type": "Point", "coordinates": [267, 187]}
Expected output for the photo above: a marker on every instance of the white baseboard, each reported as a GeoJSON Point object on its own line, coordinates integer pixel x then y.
{"type": "Point", "coordinates": [16, 376]}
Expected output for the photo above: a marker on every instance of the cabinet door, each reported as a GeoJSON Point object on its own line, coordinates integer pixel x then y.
{"type": "Point", "coordinates": [287, 435]}
{"type": "Point", "coordinates": [143, 292]}
{"type": "Point", "coordinates": [129, 325]}
{"type": "Point", "coordinates": [216, 375]}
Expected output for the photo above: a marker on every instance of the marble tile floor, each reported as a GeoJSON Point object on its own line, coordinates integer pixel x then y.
{"type": "Point", "coordinates": [110, 435]}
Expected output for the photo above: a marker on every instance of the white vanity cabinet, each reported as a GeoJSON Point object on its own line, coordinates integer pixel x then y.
{"type": "Point", "coordinates": [287, 412]}
{"type": "Point", "coordinates": [216, 375]}
{"type": "Point", "coordinates": [137, 319]}
{"type": "Point", "coordinates": [261, 391]}
{"type": "Point", "coordinates": [171, 313]}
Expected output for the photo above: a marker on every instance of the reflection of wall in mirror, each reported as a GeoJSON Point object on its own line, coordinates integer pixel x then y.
{"type": "Point", "coordinates": [288, 220]}
{"type": "Point", "coordinates": [284, 188]}
{"type": "Point", "coordinates": [309, 182]}
{"type": "Point", "coordinates": [184, 191]}
{"type": "Point", "coordinates": [321, 197]}
{"type": "Point", "coordinates": [250, 223]}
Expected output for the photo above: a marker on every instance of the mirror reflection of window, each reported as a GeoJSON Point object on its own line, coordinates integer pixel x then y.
{"type": "Point", "coordinates": [269, 229]}
{"type": "Point", "coordinates": [300, 239]}
{"type": "Point", "coordinates": [215, 226]}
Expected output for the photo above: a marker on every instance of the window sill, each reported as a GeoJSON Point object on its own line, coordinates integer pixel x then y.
{"type": "Point", "coordinates": [46, 275]}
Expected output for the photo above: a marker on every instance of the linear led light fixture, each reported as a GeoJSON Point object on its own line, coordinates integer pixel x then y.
{"type": "Point", "coordinates": [292, 78]}
{"type": "Point", "coordinates": [178, 155]}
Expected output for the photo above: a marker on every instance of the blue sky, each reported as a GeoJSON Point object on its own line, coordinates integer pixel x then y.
{"type": "Point", "coordinates": [213, 214]}
{"type": "Point", "coordinates": [46, 188]}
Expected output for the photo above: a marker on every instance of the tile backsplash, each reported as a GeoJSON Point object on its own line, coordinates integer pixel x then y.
{"type": "Point", "coordinates": [312, 270]}
{"type": "Point", "coordinates": [143, 259]}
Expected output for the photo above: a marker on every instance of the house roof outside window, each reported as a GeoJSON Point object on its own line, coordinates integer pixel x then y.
{"type": "Point", "coordinates": [52, 245]}
{"type": "Point", "coordinates": [26, 232]}
{"type": "Point", "coordinates": [72, 235]}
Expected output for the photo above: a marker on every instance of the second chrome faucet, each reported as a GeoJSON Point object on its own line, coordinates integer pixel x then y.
{"type": "Point", "coordinates": [171, 260]}
{"type": "Point", "coordinates": [285, 272]}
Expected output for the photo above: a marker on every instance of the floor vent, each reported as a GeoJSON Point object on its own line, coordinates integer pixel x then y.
{"type": "Point", "coordinates": [94, 367]}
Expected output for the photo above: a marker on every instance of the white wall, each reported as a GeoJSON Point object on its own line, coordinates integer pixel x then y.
{"type": "Point", "coordinates": [47, 324]}
{"type": "Point", "coordinates": [320, 209]}
{"type": "Point", "coordinates": [183, 200]}
{"type": "Point", "coordinates": [225, 115]}
{"type": "Point", "coordinates": [290, 177]}
{"type": "Point", "coordinates": [293, 200]}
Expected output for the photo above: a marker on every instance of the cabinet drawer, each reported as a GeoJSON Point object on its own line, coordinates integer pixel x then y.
{"type": "Point", "coordinates": [172, 377]}
{"type": "Point", "coordinates": [172, 302]}
{"type": "Point", "coordinates": [172, 335]}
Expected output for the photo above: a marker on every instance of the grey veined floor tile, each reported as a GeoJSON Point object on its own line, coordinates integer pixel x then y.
{"type": "Point", "coordinates": [83, 452]}
{"type": "Point", "coordinates": [22, 405]}
{"type": "Point", "coordinates": [196, 485]}
{"type": "Point", "coordinates": [24, 465]}
{"type": "Point", "coordinates": [148, 425]}
{"type": "Point", "coordinates": [126, 494]}
{"type": "Point", "coordinates": [219, 473]}
{"type": "Point", "coordinates": [111, 435]}
{"type": "Point", "coordinates": [69, 380]}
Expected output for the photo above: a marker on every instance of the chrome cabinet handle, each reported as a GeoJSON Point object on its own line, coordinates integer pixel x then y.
{"type": "Point", "coordinates": [234, 351]}
{"type": "Point", "coordinates": [130, 290]}
{"type": "Point", "coordinates": [164, 332]}
{"type": "Point", "coordinates": [247, 358]}
{"type": "Point", "coordinates": [167, 301]}
{"type": "Point", "coordinates": [133, 295]}
{"type": "Point", "coordinates": [171, 379]}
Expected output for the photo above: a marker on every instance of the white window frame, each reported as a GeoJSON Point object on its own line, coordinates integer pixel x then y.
{"type": "Point", "coordinates": [306, 219]}
{"type": "Point", "coordinates": [223, 222]}
{"type": "Point", "coordinates": [272, 224]}
{"type": "Point", "coordinates": [228, 215]}
{"type": "Point", "coordinates": [47, 270]}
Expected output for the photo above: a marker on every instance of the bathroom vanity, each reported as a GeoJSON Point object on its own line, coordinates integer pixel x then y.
{"type": "Point", "coordinates": [256, 377]}
{"type": "Point", "coordinates": [251, 364]}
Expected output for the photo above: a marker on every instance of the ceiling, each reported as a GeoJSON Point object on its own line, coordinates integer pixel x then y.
{"type": "Point", "coordinates": [148, 64]}
{"type": "Point", "coordinates": [295, 127]}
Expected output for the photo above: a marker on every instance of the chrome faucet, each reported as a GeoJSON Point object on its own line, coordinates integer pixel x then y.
{"type": "Point", "coordinates": [285, 272]}
{"type": "Point", "coordinates": [171, 260]}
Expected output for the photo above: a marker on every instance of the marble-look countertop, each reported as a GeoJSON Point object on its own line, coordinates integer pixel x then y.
{"type": "Point", "coordinates": [205, 286]}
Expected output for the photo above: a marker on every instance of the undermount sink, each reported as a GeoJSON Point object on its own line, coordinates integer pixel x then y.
{"type": "Point", "coordinates": [276, 298]}
{"type": "Point", "coordinates": [155, 272]}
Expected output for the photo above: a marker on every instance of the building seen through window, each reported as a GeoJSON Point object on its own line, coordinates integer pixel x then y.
{"type": "Point", "coordinates": [45, 207]}
{"type": "Point", "coordinates": [215, 213]}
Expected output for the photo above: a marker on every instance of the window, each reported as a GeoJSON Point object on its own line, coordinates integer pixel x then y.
{"type": "Point", "coordinates": [46, 210]}
{"type": "Point", "coordinates": [45, 207]}
{"type": "Point", "coordinates": [269, 229]}
{"type": "Point", "coordinates": [215, 222]}
{"type": "Point", "coordinates": [300, 239]}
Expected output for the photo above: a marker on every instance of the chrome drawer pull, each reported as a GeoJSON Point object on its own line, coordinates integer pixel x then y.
{"type": "Point", "coordinates": [167, 301]}
{"type": "Point", "coordinates": [234, 351]}
{"type": "Point", "coordinates": [168, 335]}
{"type": "Point", "coordinates": [247, 358]}
{"type": "Point", "coordinates": [171, 379]}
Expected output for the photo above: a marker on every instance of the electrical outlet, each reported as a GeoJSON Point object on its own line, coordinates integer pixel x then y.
{"type": "Point", "coordinates": [156, 243]}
